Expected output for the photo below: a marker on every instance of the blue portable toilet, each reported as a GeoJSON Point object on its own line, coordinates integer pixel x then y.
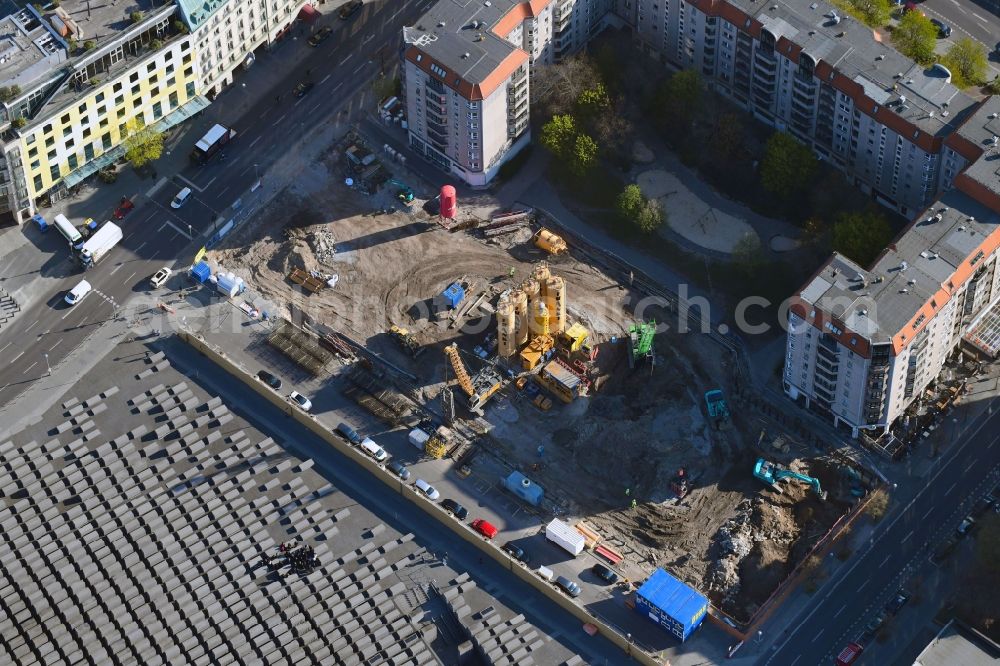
{"type": "Point", "coordinates": [43, 226]}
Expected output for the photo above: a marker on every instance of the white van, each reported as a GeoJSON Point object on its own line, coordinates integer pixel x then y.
{"type": "Point", "coordinates": [76, 294]}
{"type": "Point", "coordinates": [181, 198]}
{"type": "Point", "coordinates": [373, 449]}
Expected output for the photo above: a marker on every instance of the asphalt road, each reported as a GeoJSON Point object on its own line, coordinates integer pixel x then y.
{"type": "Point", "coordinates": [901, 543]}
{"type": "Point", "coordinates": [156, 234]}
{"type": "Point", "coordinates": [979, 19]}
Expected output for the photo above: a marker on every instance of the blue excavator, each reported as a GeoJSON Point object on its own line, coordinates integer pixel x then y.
{"type": "Point", "coordinates": [771, 473]}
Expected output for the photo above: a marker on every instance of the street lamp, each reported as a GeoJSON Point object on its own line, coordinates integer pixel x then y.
{"type": "Point", "coordinates": [47, 367]}
{"type": "Point", "coordinates": [190, 233]}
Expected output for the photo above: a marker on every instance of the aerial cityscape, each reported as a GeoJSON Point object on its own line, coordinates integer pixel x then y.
{"type": "Point", "coordinates": [515, 332]}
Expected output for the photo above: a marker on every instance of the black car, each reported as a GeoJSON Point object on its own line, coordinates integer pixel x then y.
{"type": "Point", "coordinates": [303, 88]}
{"type": "Point", "coordinates": [568, 586]}
{"type": "Point", "coordinates": [320, 36]}
{"type": "Point", "coordinates": [455, 508]}
{"type": "Point", "coordinates": [269, 379]}
{"type": "Point", "coordinates": [944, 30]}
{"type": "Point", "coordinates": [348, 433]}
{"type": "Point", "coordinates": [897, 602]}
{"type": "Point", "coordinates": [399, 469]}
{"type": "Point", "coordinates": [516, 552]}
{"type": "Point", "coordinates": [350, 9]}
{"type": "Point", "coordinates": [604, 573]}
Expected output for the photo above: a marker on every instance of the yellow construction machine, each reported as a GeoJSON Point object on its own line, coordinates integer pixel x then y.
{"type": "Point", "coordinates": [478, 389]}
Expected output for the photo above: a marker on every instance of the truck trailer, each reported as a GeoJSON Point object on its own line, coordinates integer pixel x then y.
{"type": "Point", "coordinates": [565, 537]}
{"type": "Point", "coordinates": [211, 143]}
{"type": "Point", "coordinates": [98, 245]}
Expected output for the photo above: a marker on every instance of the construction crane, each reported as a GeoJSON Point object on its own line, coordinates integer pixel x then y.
{"type": "Point", "coordinates": [478, 389]}
{"type": "Point", "coordinates": [771, 473]}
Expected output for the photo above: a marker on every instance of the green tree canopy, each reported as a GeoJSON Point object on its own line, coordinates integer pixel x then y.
{"type": "Point", "coordinates": [584, 155]}
{"type": "Point", "coordinates": [916, 37]}
{"type": "Point", "coordinates": [788, 166]}
{"type": "Point", "coordinates": [650, 216]}
{"type": "Point", "coordinates": [861, 236]}
{"type": "Point", "coordinates": [630, 201]}
{"type": "Point", "coordinates": [559, 135]}
{"type": "Point", "coordinates": [679, 98]}
{"type": "Point", "coordinates": [634, 208]}
{"type": "Point", "coordinates": [142, 144]}
{"type": "Point", "coordinates": [592, 102]}
{"type": "Point", "coordinates": [748, 253]}
{"type": "Point", "coordinates": [967, 61]}
{"type": "Point", "coordinates": [875, 13]}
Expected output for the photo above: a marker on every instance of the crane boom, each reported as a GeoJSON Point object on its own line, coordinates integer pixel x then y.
{"type": "Point", "coordinates": [460, 372]}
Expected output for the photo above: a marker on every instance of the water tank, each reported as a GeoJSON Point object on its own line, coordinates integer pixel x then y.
{"type": "Point", "coordinates": [538, 323]}
{"type": "Point", "coordinates": [449, 202]}
{"type": "Point", "coordinates": [519, 300]}
{"type": "Point", "coordinates": [555, 302]}
{"type": "Point", "coordinates": [506, 329]}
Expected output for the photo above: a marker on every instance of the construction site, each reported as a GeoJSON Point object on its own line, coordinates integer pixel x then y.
{"type": "Point", "coordinates": [512, 350]}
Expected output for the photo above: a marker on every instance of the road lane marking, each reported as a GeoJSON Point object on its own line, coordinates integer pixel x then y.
{"type": "Point", "coordinates": [178, 229]}
{"type": "Point", "coordinates": [338, 85]}
{"type": "Point", "coordinates": [161, 227]}
{"type": "Point", "coordinates": [5, 346]}
{"type": "Point", "coordinates": [367, 39]}
{"type": "Point", "coordinates": [971, 465]}
{"type": "Point", "coordinates": [140, 247]}
{"type": "Point", "coordinates": [929, 511]}
{"type": "Point", "coordinates": [224, 190]}
{"type": "Point", "coordinates": [276, 122]}
{"type": "Point", "coordinates": [16, 357]}
{"type": "Point", "coordinates": [951, 488]}
{"type": "Point", "coordinates": [908, 535]}
{"type": "Point", "coordinates": [29, 368]}
{"type": "Point", "coordinates": [863, 585]}
{"type": "Point", "coordinates": [842, 609]}
{"type": "Point", "coordinates": [887, 558]}
{"type": "Point", "coordinates": [55, 345]}
{"type": "Point", "coordinates": [818, 634]}
{"type": "Point", "coordinates": [795, 660]}
{"type": "Point", "coordinates": [359, 67]}
{"type": "Point", "coordinates": [979, 17]}
{"type": "Point", "coordinates": [299, 100]}
{"type": "Point", "coordinates": [125, 281]}
{"type": "Point", "coordinates": [31, 327]}
{"type": "Point", "coordinates": [255, 141]}
{"type": "Point", "coordinates": [325, 78]}
{"type": "Point", "coordinates": [115, 269]}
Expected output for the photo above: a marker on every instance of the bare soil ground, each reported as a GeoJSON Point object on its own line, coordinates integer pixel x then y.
{"type": "Point", "coordinates": [631, 435]}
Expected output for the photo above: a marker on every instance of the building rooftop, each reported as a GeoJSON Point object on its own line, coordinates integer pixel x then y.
{"type": "Point", "coordinates": [30, 47]}
{"type": "Point", "coordinates": [458, 37]}
{"type": "Point", "coordinates": [923, 97]}
{"type": "Point", "coordinates": [882, 302]}
{"type": "Point", "coordinates": [959, 644]}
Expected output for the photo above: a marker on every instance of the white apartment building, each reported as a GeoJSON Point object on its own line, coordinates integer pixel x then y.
{"type": "Point", "coordinates": [467, 70]}
{"type": "Point", "coordinates": [825, 78]}
{"type": "Point", "coordinates": [227, 32]}
{"type": "Point", "coordinates": [863, 344]}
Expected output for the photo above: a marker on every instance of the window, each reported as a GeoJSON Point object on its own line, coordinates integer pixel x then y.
{"type": "Point", "coordinates": [106, 141]}
{"type": "Point", "coordinates": [99, 98]}
{"type": "Point", "coordinates": [151, 66]}
{"type": "Point", "coordinates": [189, 72]}
{"type": "Point", "coordinates": [54, 172]}
{"type": "Point", "coordinates": [155, 92]}
{"type": "Point", "coordinates": [70, 143]}
{"type": "Point", "coordinates": [189, 89]}
{"type": "Point", "coordinates": [121, 113]}
{"type": "Point", "coordinates": [104, 123]}
{"type": "Point", "coordinates": [117, 87]}
{"type": "Point", "coordinates": [88, 152]}
{"type": "Point", "coordinates": [49, 142]}
{"type": "Point", "coordinates": [187, 58]}
{"type": "Point", "coordinates": [119, 100]}
{"type": "Point", "coordinates": [134, 78]}
{"type": "Point", "coordinates": [157, 111]}
{"type": "Point", "coordinates": [33, 152]}
{"type": "Point", "coordinates": [172, 100]}
{"type": "Point", "coordinates": [73, 163]}
{"type": "Point", "coordinates": [35, 165]}
{"type": "Point", "coordinates": [38, 183]}
{"type": "Point", "coordinates": [64, 120]}
{"type": "Point", "coordinates": [169, 69]}
{"type": "Point", "coordinates": [135, 90]}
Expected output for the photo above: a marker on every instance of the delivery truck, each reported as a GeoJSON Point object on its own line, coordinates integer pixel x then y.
{"type": "Point", "coordinates": [211, 143]}
{"type": "Point", "coordinates": [565, 537]}
{"type": "Point", "coordinates": [98, 245]}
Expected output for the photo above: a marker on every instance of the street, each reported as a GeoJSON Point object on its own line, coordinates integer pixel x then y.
{"type": "Point", "coordinates": [901, 543]}
{"type": "Point", "coordinates": [978, 19]}
{"type": "Point", "coordinates": [155, 235]}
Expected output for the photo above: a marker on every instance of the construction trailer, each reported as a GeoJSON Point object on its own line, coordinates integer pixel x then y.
{"type": "Point", "coordinates": [524, 488]}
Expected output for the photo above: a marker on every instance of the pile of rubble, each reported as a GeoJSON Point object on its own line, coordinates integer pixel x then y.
{"type": "Point", "coordinates": [734, 542]}
{"type": "Point", "coordinates": [324, 246]}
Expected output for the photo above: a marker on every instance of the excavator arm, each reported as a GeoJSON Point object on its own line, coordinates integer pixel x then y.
{"type": "Point", "coordinates": [789, 474]}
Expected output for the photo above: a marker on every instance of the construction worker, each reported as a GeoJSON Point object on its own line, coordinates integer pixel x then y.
{"type": "Point", "coordinates": [628, 491]}
{"type": "Point", "coordinates": [634, 503]}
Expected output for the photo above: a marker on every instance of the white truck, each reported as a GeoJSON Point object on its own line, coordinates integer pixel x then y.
{"type": "Point", "coordinates": [418, 438]}
{"type": "Point", "coordinates": [565, 537]}
{"type": "Point", "coordinates": [98, 245]}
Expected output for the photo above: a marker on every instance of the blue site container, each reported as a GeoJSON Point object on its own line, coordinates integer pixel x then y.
{"type": "Point", "coordinates": [524, 488]}
{"type": "Point", "coordinates": [201, 272]}
{"type": "Point", "coordinates": [675, 606]}
{"type": "Point", "coordinates": [453, 295]}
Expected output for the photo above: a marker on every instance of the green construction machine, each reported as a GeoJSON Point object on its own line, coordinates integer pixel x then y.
{"type": "Point", "coordinates": [718, 411]}
{"type": "Point", "coordinates": [771, 473]}
{"type": "Point", "coordinates": [641, 343]}
{"type": "Point", "coordinates": [404, 193]}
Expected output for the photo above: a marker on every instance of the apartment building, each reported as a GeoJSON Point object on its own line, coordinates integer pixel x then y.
{"type": "Point", "coordinates": [825, 78]}
{"type": "Point", "coordinates": [227, 32]}
{"type": "Point", "coordinates": [863, 344]}
{"type": "Point", "coordinates": [467, 70]}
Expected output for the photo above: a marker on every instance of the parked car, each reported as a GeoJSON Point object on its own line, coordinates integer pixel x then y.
{"type": "Point", "coordinates": [568, 586]}
{"type": "Point", "coordinates": [871, 629]}
{"type": "Point", "coordinates": [160, 277]}
{"type": "Point", "coordinates": [269, 379]}
{"type": "Point", "coordinates": [427, 489]}
{"type": "Point", "coordinates": [300, 400]}
{"type": "Point", "coordinates": [455, 508]}
{"type": "Point", "coordinates": [181, 198]}
{"type": "Point", "coordinates": [369, 446]}
{"type": "Point", "coordinates": [350, 9]}
{"type": "Point", "coordinates": [944, 30]}
{"type": "Point", "coordinates": [76, 294]}
{"type": "Point", "coordinates": [348, 433]}
{"type": "Point", "coordinates": [304, 87]}
{"type": "Point", "coordinates": [516, 552]}
{"type": "Point", "coordinates": [848, 655]}
{"type": "Point", "coordinates": [484, 528]}
{"type": "Point", "coordinates": [897, 602]}
{"type": "Point", "coordinates": [965, 526]}
{"type": "Point", "coordinates": [399, 469]}
{"type": "Point", "coordinates": [604, 573]}
{"type": "Point", "coordinates": [320, 36]}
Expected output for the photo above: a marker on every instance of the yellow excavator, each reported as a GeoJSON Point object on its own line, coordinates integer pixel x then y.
{"type": "Point", "coordinates": [478, 389]}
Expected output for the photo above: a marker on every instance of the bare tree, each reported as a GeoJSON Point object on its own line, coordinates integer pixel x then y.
{"type": "Point", "coordinates": [556, 88]}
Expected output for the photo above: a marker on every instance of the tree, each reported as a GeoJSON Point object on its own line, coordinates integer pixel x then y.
{"type": "Point", "coordinates": [556, 88]}
{"type": "Point", "coordinates": [967, 61]}
{"type": "Point", "coordinates": [677, 101]}
{"type": "Point", "coordinates": [916, 37]}
{"type": "Point", "coordinates": [629, 202]}
{"type": "Point", "coordinates": [875, 13]}
{"type": "Point", "coordinates": [559, 135]}
{"type": "Point", "coordinates": [135, 17]}
{"type": "Point", "coordinates": [727, 139]}
{"type": "Point", "coordinates": [861, 236]}
{"type": "Point", "coordinates": [877, 505]}
{"type": "Point", "coordinates": [788, 166]}
{"type": "Point", "coordinates": [650, 216]}
{"type": "Point", "coordinates": [142, 144]}
{"type": "Point", "coordinates": [583, 156]}
{"type": "Point", "coordinates": [988, 542]}
{"type": "Point", "coordinates": [7, 93]}
{"type": "Point", "coordinates": [592, 102]}
{"type": "Point", "coordinates": [748, 253]}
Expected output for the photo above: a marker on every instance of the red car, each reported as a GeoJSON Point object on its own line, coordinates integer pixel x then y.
{"type": "Point", "coordinates": [848, 655]}
{"type": "Point", "coordinates": [484, 528]}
